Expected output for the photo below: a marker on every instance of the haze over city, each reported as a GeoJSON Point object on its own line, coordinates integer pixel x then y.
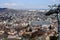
{"type": "Point", "coordinates": [27, 4]}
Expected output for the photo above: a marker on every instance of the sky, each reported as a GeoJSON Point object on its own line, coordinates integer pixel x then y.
{"type": "Point", "coordinates": [27, 4]}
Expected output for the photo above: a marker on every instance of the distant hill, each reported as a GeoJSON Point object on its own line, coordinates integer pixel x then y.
{"type": "Point", "coordinates": [8, 13]}
{"type": "Point", "coordinates": [2, 9]}
{"type": "Point", "coordinates": [18, 13]}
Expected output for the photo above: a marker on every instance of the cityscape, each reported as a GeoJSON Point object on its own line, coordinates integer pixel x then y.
{"type": "Point", "coordinates": [29, 19]}
{"type": "Point", "coordinates": [27, 24]}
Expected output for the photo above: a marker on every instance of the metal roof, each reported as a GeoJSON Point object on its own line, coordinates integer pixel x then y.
{"type": "Point", "coordinates": [40, 23]}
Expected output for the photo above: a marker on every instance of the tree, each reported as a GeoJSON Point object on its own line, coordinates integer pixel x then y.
{"type": "Point", "coordinates": [53, 11]}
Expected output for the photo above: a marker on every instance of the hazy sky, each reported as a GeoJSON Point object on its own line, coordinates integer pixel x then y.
{"type": "Point", "coordinates": [27, 4]}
